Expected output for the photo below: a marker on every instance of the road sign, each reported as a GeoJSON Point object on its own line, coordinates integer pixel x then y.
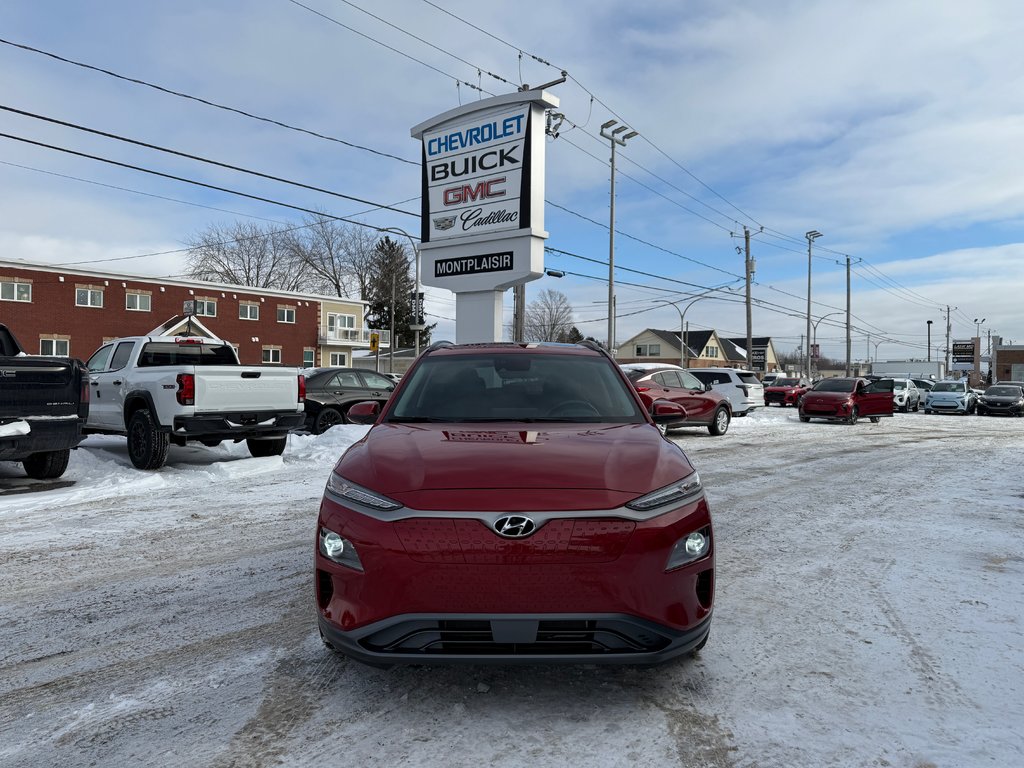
{"type": "Point", "coordinates": [374, 342]}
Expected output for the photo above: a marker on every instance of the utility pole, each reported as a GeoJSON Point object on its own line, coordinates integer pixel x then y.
{"type": "Point", "coordinates": [811, 236]}
{"type": "Point", "coordinates": [929, 340]}
{"type": "Point", "coordinates": [391, 345]}
{"type": "Point", "coordinates": [614, 138]}
{"type": "Point", "coordinates": [949, 329]}
{"type": "Point", "coordinates": [519, 312]}
{"type": "Point", "coordinates": [748, 269]}
{"type": "Point", "coordinates": [847, 316]}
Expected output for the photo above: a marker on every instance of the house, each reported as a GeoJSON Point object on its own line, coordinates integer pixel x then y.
{"type": "Point", "coordinates": [67, 311]}
{"type": "Point", "coordinates": [704, 349]}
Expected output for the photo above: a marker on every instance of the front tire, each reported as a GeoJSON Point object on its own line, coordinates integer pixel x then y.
{"type": "Point", "coordinates": [147, 446]}
{"type": "Point", "coordinates": [854, 415]}
{"type": "Point", "coordinates": [804, 418]}
{"type": "Point", "coordinates": [259, 447]}
{"type": "Point", "coordinates": [720, 422]}
{"type": "Point", "coordinates": [47, 464]}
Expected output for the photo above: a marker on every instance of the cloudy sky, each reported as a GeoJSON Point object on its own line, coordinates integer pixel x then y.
{"type": "Point", "coordinates": [894, 128]}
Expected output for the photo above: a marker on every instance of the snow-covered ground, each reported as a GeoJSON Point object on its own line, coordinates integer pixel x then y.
{"type": "Point", "coordinates": [868, 613]}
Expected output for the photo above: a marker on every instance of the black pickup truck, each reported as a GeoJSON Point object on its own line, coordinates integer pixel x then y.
{"type": "Point", "coordinates": [44, 403]}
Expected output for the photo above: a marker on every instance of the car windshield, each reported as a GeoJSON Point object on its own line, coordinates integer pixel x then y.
{"type": "Point", "coordinates": [948, 386]}
{"type": "Point", "coordinates": [835, 385]}
{"type": "Point", "coordinates": [1003, 392]}
{"type": "Point", "coordinates": [786, 382]}
{"type": "Point", "coordinates": [516, 386]}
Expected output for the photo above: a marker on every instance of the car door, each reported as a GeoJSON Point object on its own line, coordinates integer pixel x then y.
{"type": "Point", "coordinates": [107, 386]}
{"type": "Point", "coordinates": [876, 398]}
{"type": "Point", "coordinates": [377, 386]}
{"type": "Point", "coordinates": [688, 391]}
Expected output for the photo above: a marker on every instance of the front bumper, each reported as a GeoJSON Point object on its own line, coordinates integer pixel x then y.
{"type": "Point", "coordinates": [584, 588]}
{"type": "Point", "coordinates": [996, 409]}
{"type": "Point", "coordinates": [514, 639]}
{"type": "Point", "coordinates": [947, 406]}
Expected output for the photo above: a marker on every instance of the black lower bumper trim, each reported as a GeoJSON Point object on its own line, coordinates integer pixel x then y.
{"type": "Point", "coordinates": [514, 639]}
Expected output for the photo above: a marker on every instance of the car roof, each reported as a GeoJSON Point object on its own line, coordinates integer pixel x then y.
{"type": "Point", "coordinates": [446, 348]}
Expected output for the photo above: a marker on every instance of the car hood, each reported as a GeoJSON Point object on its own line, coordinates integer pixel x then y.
{"type": "Point", "coordinates": [782, 389]}
{"type": "Point", "coordinates": [513, 465]}
{"type": "Point", "coordinates": [826, 397]}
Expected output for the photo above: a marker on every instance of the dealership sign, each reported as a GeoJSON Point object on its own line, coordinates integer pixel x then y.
{"type": "Point", "coordinates": [482, 208]}
{"type": "Point", "coordinates": [476, 175]}
{"type": "Point", "coordinates": [758, 358]}
{"type": "Point", "coordinates": [963, 351]}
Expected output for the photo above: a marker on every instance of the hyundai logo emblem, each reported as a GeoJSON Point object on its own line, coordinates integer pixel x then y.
{"type": "Point", "coordinates": [514, 526]}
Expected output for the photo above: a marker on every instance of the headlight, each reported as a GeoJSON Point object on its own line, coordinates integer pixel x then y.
{"type": "Point", "coordinates": [693, 546]}
{"type": "Point", "coordinates": [688, 488]}
{"type": "Point", "coordinates": [339, 550]}
{"type": "Point", "coordinates": [339, 486]}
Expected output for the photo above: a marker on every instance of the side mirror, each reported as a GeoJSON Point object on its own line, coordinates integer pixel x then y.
{"type": "Point", "coordinates": [364, 413]}
{"type": "Point", "coordinates": [708, 387]}
{"type": "Point", "coordinates": [663, 411]}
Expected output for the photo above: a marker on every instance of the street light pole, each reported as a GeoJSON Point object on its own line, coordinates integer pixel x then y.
{"type": "Point", "coordinates": [811, 236]}
{"type": "Point", "coordinates": [614, 138]}
{"type": "Point", "coordinates": [814, 336]}
{"type": "Point", "coordinates": [929, 340]}
{"type": "Point", "coordinates": [417, 326]}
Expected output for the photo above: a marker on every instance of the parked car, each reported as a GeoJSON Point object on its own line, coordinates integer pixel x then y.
{"type": "Point", "coordinates": [925, 386]}
{"type": "Point", "coordinates": [742, 388]}
{"type": "Point", "coordinates": [514, 503]}
{"type": "Point", "coordinates": [905, 395]}
{"type": "Point", "coordinates": [771, 378]}
{"type": "Point", "coordinates": [848, 399]}
{"type": "Point", "coordinates": [785, 391]}
{"type": "Point", "coordinates": [1002, 399]}
{"type": "Point", "coordinates": [158, 390]}
{"type": "Point", "coordinates": [950, 397]}
{"type": "Point", "coordinates": [330, 392]}
{"type": "Point", "coordinates": [44, 402]}
{"type": "Point", "coordinates": [704, 407]}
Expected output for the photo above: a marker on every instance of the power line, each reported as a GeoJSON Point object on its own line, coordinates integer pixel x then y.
{"type": "Point", "coordinates": [217, 163]}
{"type": "Point", "coordinates": [207, 102]}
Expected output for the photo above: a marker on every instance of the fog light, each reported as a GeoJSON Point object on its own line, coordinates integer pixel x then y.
{"type": "Point", "coordinates": [693, 547]}
{"type": "Point", "coordinates": [339, 550]}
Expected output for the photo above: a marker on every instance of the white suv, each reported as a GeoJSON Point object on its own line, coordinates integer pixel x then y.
{"type": "Point", "coordinates": [743, 389]}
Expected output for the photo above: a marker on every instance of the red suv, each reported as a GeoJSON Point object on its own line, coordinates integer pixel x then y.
{"type": "Point", "coordinates": [704, 406]}
{"type": "Point", "coordinates": [514, 502]}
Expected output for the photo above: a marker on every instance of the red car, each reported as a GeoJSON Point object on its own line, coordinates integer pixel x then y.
{"type": "Point", "coordinates": [842, 399]}
{"type": "Point", "coordinates": [514, 502]}
{"type": "Point", "coordinates": [704, 406]}
{"type": "Point", "coordinates": [785, 391]}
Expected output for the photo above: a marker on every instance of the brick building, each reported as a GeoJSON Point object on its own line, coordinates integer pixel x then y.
{"type": "Point", "coordinates": [68, 311]}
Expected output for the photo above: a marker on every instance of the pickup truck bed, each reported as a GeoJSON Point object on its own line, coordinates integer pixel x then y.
{"type": "Point", "coordinates": [43, 408]}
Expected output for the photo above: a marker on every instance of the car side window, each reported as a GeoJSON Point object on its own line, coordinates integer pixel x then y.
{"type": "Point", "coordinates": [664, 380]}
{"type": "Point", "coordinates": [376, 381]}
{"type": "Point", "coordinates": [98, 361]}
{"type": "Point", "coordinates": [690, 381]}
{"type": "Point", "coordinates": [346, 380]}
{"type": "Point", "coordinates": [121, 354]}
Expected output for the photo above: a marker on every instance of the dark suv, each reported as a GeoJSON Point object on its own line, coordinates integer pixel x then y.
{"type": "Point", "coordinates": [514, 502]}
{"type": "Point", "coordinates": [704, 406]}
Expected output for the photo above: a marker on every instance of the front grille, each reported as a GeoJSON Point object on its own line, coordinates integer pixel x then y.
{"type": "Point", "coordinates": [553, 637]}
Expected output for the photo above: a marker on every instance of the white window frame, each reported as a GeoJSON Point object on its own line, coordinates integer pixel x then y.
{"type": "Point", "coordinates": [711, 352]}
{"type": "Point", "coordinates": [247, 309]}
{"type": "Point", "coordinates": [648, 350]}
{"type": "Point", "coordinates": [91, 295]}
{"type": "Point", "coordinates": [16, 287]}
{"type": "Point", "coordinates": [141, 298]}
{"type": "Point", "coordinates": [53, 347]}
{"type": "Point", "coordinates": [309, 358]}
{"type": "Point", "coordinates": [338, 359]}
{"type": "Point", "coordinates": [203, 307]}
{"type": "Point", "coordinates": [271, 356]}
{"type": "Point", "coordinates": [286, 311]}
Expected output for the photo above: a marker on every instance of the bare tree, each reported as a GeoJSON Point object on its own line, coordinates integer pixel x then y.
{"type": "Point", "coordinates": [338, 259]}
{"type": "Point", "coordinates": [548, 317]}
{"type": "Point", "coordinates": [246, 253]}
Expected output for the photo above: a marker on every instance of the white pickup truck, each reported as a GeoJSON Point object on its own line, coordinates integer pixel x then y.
{"type": "Point", "coordinates": [159, 390]}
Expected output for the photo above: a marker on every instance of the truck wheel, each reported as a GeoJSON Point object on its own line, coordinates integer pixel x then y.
{"type": "Point", "coordinates": [147, 446]}
{"type": "Point", "coordinates": [266, 447]}
{"type": "Point", "coordinates": [47, 464]}
{"type": "Point", "coordinates": [326, 419]}
{"type": "Point", "coordinates": [720, 422]}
